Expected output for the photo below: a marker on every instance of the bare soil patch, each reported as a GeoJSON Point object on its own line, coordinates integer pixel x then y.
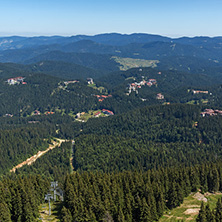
{"type": "Point", "coordinates": [193, 206]}
{"type": "Point", "coordinates": [192, 211]}
{"type": "Point", "coordinates": [200, 197]}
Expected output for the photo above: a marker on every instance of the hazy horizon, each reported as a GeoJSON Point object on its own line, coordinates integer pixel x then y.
{"type": "Point", "coordinates": [29, 35]}
{"type": "Point", "coordinates": [170, 18]}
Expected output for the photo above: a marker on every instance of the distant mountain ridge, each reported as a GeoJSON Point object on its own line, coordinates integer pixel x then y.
{"type": "Point", "coordinates": [17, 42]}
{"type": "Point", "coordinates": [194, 55]}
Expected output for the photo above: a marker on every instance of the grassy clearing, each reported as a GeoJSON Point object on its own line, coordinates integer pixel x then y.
{"type": "Point", "coordinates": [128, 63]}
{"type": "Point", "coordinates": [193, 102]}
{"type": "Point", "coordinates": [55, 212]}
{"type": "Point", "coordinates": [129, 78]}
{"type": "Point", "coordinates": [188, 211]}
{"type": "Point", "coordinates": [197, 102]}
{"type": "Point", "coordinates": [101, 89]}
{"type": "Point", "coordinates": [204, 101]}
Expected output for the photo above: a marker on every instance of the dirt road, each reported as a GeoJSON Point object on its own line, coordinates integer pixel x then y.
{"type": "Point", "coordinates": [32, 159]}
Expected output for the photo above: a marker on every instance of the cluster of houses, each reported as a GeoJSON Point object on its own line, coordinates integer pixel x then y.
{"type": "Point", "coordinates": [36, 113]}
{"type": "Point", "coordinates": [78, 115]}
{"type": "Point", "coordinates": [8, 115]}
{"type": "Point", "coordinates": [16, 80]}
{"type": "Point", "coordinates": [199, 91]}
{"type": "Point", "coordinates": [102, 97]}
{"type": "Point", "coordinates": [159, 96]}
{"type": "Point", "coordinates": [49, 113]}
{"type": "Point", "coordinates": [90, 81]}
{"type": "Point", "coordinates": [107, 112]}
{"type": "Point", "coordinates": [97, 114]}
{"type": "Point", "coordinates": [211, 112]}
{"type": "Point", "coordinates": [104, 111]}
{"type": "Point", "coordinates": [134, 86]}
{"type": "Point", "coordinates": [69, 82]}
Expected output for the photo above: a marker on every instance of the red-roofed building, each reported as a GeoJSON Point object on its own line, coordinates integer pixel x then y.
{"type": "Point", "coordinates": [159, 96]}
{"type": "Point", "coordinates": [107, 112]}
{"type": "Point", "coordinates": [36, 112]}
{"type": "Point", "coordinates": [97, 114]}
{"type": "Point", "coordinates": [16, 80]}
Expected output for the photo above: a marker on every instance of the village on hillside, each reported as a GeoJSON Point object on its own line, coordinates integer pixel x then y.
{"type": "Point", "coordinates": [102, 97]}
{"type": "Point", "coordinates": [83, 116]}
{"type": "Point", "coordinates": [16, 80]}
{"type": "Point", "coordinates": [211, 112]}
{"type": "Point", "coordinates": [199, 91]}
{"type": "Point", "coordinates": [133, 87]}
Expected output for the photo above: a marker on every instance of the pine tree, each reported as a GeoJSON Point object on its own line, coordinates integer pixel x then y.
{"type": "Point", "coordinates": [145, 214]}
{"type": "Point", "coordinates": [160, 202]}
{"type": "Point", "coordinates": [17, 206]}
{"type": "Point", "coordinates": [218, 212]}
{"type": "Point", "coordinates": [214, 180]}
{"type": "Point", "coordinates": [66, 215]}
{"type": "Point", "coordinates": [121, 217]}
{"type": "Point", "coordinates": [194, 179]}
{"type": "Point", "coordinates": [5, 215]}
{"type": "Point", "coordinates": [107, 217]}
{"type": "Point", "coordinates": [203, 179]}
{"type": "Point", "coordinates": [202, 214]}
{"type": "Point", "coordinates": [209, 214]}
{"type": "Point", "coordinates": [172, 196]}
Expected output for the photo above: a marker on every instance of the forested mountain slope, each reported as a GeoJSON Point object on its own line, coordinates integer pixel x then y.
{"type": "Point", "coordinates": [137, 141]}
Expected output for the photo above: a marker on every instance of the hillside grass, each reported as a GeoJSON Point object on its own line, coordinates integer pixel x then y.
{"type": "Point", "coordinates": [55, 212]}
{"type": "Point", "coordinates": [191, 204]}
{"type": "Point", "coordinates": [101, 89]}
{"type": "Point", "coordinates": [128, 63]}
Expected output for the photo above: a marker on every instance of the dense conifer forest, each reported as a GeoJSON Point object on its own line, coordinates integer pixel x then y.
{"type": "Point", "coordinates": [135, 195]}
{"type": "Point", "coordinates": [21, 196]}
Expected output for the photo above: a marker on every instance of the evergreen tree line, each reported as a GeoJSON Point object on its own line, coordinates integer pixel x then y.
{"type": "Point", "coordinates": [135, 195]}
{"type": "Point", "coordinates": [109, 153]}
{"type": "Point", "coordinates": [169, 123]}
{"type": "Point", "coordinates": [210, 215]}
{"type": "Point", "coordinates": [20, 198]}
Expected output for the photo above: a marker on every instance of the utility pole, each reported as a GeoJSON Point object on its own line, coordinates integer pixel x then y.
{"type": "Point", "coordinates": [48, 197]}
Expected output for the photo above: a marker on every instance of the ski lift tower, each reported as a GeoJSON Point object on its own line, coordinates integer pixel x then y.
{"type": "Point", "coordinates": [48, 197]}
{"type": "Point", "coordinates": [54, 186]}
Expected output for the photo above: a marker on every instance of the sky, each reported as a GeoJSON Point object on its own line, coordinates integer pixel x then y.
{"type": "Point", "coordinates": [173, 18]}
